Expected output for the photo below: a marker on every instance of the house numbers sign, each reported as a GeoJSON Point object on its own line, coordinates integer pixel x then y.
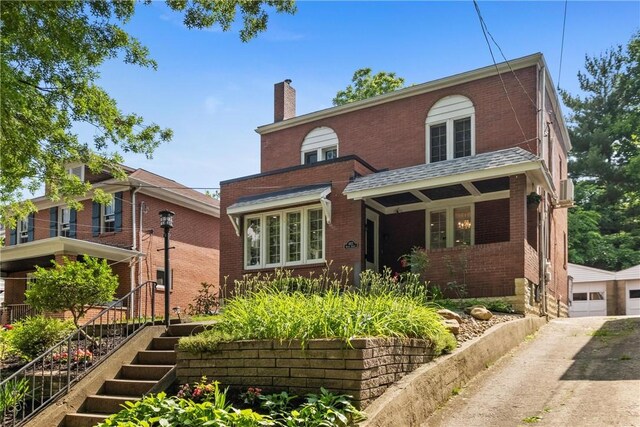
{"type": "Point", "coordinates": [350, 245]}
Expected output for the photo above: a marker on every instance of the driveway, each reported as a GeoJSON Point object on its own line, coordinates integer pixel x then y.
{"type": "Point", "coordinates": [573, 372]}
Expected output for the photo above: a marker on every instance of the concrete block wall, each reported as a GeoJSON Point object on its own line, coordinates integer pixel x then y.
{"type": "Point", "coordinates": [363, 370]}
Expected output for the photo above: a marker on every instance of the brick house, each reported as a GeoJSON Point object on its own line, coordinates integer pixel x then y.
{"type": "Point", "coordinates": [472, 167]}
{"type": "Point", "coordinates": [126, 233]}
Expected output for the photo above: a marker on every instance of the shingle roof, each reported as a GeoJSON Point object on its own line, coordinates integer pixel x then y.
{"type": "Point", "coordinates": [483, 161]}
{"type": "Point", "coordinates": [160, 182]}
{"type": "Point", "coordinates": [276, 196]}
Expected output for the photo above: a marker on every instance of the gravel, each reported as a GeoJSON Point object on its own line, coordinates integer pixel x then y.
{"type": "Point", "coordinates": [471, 328]}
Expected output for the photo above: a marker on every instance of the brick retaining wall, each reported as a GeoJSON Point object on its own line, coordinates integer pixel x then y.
{"type": "Point", "coordinates": [364, 370]}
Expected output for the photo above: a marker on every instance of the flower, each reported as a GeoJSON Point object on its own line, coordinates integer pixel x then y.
{"type": "Point", "coordinates": [8, 327]}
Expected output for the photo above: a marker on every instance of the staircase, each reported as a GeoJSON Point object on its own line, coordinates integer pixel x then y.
{"type": "Point", "coordinates": [152, 370]}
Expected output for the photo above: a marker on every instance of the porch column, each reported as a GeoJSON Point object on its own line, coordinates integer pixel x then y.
{"type": "Point", "coordinates": [518, 208]}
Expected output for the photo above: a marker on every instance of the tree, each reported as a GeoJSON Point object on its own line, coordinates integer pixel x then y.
{"type": "Point", "coordinates": [51, 53]}
{"type": "Point", "coordinates": [73, 286]}
{"type": "Point", "coordinates": [366, 85]}
{"type": "Point", "coordinates": [604, 231]}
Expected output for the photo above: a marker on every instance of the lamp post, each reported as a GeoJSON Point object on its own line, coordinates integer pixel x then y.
{"type": "Point", "coordinates": [166, 222]}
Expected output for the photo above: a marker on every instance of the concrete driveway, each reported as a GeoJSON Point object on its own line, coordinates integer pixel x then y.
{"type": "Point", "coordinates": [574, 372]}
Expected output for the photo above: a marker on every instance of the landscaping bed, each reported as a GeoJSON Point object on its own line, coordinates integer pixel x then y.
{"type": "Point", "coordinates": [471, 328]}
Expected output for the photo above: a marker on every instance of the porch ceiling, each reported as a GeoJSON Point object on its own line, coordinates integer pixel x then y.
{"type": "Point", "coordinates": [481, 177]}
{"type": "Point", "coordinates": [16, 257]}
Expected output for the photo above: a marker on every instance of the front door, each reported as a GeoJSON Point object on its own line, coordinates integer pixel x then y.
{"type": "Point", "coordinates": [371, 244]}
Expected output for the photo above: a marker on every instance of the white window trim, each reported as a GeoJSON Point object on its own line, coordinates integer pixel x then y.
{"type": "Point", "coordinates": [450, 226]}
{"type": "Point", "coordinates": [283, 241]}
{"type": "Point", "coordinates": [22, 231]}
{"type": "Point", "coordinates": [449, 117]}
{"type": "Point", "coordinates": [321, 153]}
{"type": "Point", "coordinates": [61, 227]}
{"type": "Point", "coordinates": [103, 216]}
{"type": "Point", "coordinates": [70, 167]}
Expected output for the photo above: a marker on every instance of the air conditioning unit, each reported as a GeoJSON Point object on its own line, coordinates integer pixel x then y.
{"type": "Point", "coordinates": [566, 193]}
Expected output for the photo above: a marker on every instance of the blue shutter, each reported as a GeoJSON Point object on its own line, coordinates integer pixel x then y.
{"type": "Point", "coordinates": [95, 219]}
{"type": "Point", "coordinates": [31, 228]}
{"type": "Point", "coordinates": [74, 223]}
{"type": "Point", "coordinates": [12, 236]}
{"type": "Point", "coordinates": [53, 222]}
{"type": "Point", "coordinates": [118, 213]}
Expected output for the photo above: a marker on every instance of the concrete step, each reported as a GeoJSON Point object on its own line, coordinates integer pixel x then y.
{"type": "Point", "coordinates": [185, 329]}
{"type": "Point", "coordinates": [164, 343]}
{"type": "Point", "coordinates": [128, 387]}
{"type": "Point", "coordinates": [143, 372]}
{"type": "Point", "coordinates": [156, 357]}
{"type": "Point", "coordinates": [83, 419]}
{"type": "Point", "coordinates": [104, 404]}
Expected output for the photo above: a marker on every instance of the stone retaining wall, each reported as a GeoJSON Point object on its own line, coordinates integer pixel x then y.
{"type": "Point", "coordinates": [363, 370]}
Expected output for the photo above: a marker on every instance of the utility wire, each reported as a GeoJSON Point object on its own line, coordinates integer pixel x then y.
{"type": "Point", "coordinates": [564, 26]}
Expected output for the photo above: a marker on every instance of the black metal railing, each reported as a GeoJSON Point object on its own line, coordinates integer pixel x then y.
{"type": "Point", "coordinates": [51, 375]}
{"type": "Point", "coordinates": [12, 313]}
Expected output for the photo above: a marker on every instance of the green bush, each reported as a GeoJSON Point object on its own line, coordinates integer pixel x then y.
{"type": "Point", "coordinates": [287, 316]}
{"type": "Point", "coordinates": [12, 393]}
{"type": "Point", "coordinates": [6, 348]}
{"type": "Point", "coordinates": [34, 335]}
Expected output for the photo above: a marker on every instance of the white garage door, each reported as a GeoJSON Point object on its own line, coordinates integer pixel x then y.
{"type": "Point", "coordinates": [589, 299]}
{"type": "Point", "coordinates": [633, 298]}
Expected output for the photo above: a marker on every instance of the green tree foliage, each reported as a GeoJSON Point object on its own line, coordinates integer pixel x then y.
{"type": "Point", "coordinates": [73, 286]}
{"type": "Point", "coordinates": [604, 231]}
{"type": "Point", "coordinates": [51, 53]}
{"type": "Point", "coordinates": [365, 85]}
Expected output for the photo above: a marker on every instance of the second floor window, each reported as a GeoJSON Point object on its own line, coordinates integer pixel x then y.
{"type": "Point", "coordinates": [107, 218]}
{"type": "Point", "coordinates": [450, 129]}
{"type": "Point", "coordinates": [65, 222]}
{"type": "Point", "coordinates": [23, 230]}
{"type": "Point", "coordinates": [320, 144]}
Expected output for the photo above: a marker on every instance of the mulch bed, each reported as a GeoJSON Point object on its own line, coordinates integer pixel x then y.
{"type": "Point", "coordinates": [471, 328]}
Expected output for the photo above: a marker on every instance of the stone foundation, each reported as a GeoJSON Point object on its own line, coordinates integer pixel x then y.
{"type": "Point", "coordinates": [363, 370]}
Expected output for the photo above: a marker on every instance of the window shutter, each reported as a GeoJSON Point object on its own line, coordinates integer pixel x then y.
{"type": "Point", "coordinates": [12, 236]}
{"type": "Point", "coordinates": [73, 226]}
{"type": "Point", "coordinates": [95, 219]}
{"type": "Point", "coordinates": [31, 228]}
{"type": "Point", "coordinates": [53, 222]}
{"type": "Point", "coordinates": [118, 212]}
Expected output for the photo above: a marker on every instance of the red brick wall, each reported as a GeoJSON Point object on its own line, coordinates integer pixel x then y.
{"type": "Point", "coordinates": [399, 126]}
{"type": "Point", "coordinates": [492, 221]}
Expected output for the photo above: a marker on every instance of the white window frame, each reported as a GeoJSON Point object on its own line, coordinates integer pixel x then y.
{"type": "Point", "coordinates": [61, 224]}
{"type": "Point", "coordinates": [445, 111]}
{"type": "Point", "coordinates": [111, 216]}
{"type": "Point", "coordinates": [319, 140]}
{"type": "Point", "coordinates": [31, 279]}
{"type": "Point", "coordinates": [22, 231]}
{"type": "Point", "coordinates": [76, 169]}
{"type": "Point", "coordinates": [304, 240]}
{"type": "Point", "coordinates": [450, 225]}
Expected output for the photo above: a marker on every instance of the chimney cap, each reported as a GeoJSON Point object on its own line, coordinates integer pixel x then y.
{"type": "Point", "coordinates": [287, 81]}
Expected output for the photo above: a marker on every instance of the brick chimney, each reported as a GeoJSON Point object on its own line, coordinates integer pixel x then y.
{"type": "Point", "coordinates": [284, 101]}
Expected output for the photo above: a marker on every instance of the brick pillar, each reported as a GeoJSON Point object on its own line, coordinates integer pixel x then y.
{"type": "Point", "coordinates": [518, 218]}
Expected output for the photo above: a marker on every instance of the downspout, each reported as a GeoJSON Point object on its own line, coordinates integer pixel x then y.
{"type": "Point", "coordinates": [143, 210]}
{"type": "Point", "coordinates": [542, 227]}
{"type": "Point", "coordinates": [134, 239]}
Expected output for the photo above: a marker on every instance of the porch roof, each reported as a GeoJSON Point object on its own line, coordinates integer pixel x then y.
{"type": "Point", "coordinates": [472, 176]}
{"type": "Point", "coordinates": [39, 252]}
{"type": "Point", "coordinates": [278, 199]}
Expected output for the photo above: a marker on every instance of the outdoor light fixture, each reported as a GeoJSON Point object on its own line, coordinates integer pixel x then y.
{"type": "Point", "coordinates": [166, 222]}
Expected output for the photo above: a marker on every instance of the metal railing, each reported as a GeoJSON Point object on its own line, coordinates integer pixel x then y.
{"type": "Point", "coordinates": [51, 375]}
{"type": "Point", "coordinates": [12, 313]}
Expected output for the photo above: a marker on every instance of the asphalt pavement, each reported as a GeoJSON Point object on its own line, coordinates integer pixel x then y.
{"type": "Point", "coordinates": [582, 372]}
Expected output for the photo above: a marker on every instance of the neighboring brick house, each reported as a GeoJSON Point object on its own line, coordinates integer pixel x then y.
{"type": "Point", "coordinates": [472, 167]}
{"type": "Point", "coordinates": [126, 233]}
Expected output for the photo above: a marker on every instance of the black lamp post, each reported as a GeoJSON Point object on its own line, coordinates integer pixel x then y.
{"type": "Point", "coordinates": [166, 222]}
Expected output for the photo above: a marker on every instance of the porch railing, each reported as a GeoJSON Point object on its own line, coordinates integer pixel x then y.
{"type": "Point", "coordinates": [11, 313]}
{"type": "Point", "coordinates": [51, 375]}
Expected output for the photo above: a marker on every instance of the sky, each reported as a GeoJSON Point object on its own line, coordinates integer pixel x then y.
{"type": "Point", "coordinates": [214, 90]}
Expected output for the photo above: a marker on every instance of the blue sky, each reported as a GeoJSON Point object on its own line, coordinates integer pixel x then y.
{"type": "Point", "coordinates": [213, 90]}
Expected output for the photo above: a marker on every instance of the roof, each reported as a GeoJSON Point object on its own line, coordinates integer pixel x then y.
{"type": "Point", "coordinates": [157, 181]}
{"type": "Point", "coordinates": [493, 160]}
{"type": "Point", "coordinates": [631, 273]}
{"type": "Point", "coordinates": [287, 197]}
{"type": "Point", "coordinates": [582, 273]}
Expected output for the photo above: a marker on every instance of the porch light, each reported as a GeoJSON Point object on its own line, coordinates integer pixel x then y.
{"type": "Point", "coordinates": [166, 219]}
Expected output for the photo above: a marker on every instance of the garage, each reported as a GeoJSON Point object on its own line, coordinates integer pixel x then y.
{"type": "Point", "coordinates": [589, 299]}
{"type": "Point", "coordinates": [631, 278]}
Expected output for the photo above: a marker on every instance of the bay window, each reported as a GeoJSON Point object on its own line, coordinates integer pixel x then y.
{"type": "Point", "coordinates": [450, 227]}
{"type": "Point", "coordinates": [293, 236]}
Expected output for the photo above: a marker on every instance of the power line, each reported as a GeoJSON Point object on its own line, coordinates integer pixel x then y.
{"type": "Point", "coordinates": [564, 25]}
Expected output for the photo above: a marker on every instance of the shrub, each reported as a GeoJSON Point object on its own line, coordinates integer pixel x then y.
{"type": "Point", "coordinates": [6, 348]}
{"type": "Point", "coordinates": [12, 393]}
{"type": "Point", "coordinates": [287, 316]}
{"type": "Point", "coordinates": [34, 335]}
{"type": "Point", "coordinates": [207, 301]}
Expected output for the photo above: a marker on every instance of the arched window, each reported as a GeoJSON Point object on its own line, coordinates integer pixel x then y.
{"type": "Point", "coordinates": [319, 144]}
{"type": "Point", "coordinates": [450, 129]}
